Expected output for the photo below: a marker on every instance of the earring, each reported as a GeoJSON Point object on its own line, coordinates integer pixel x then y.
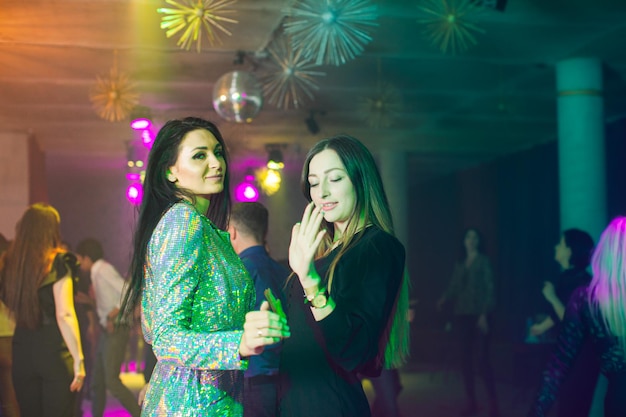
{"type": "Point", "coordinates": [170, 176]}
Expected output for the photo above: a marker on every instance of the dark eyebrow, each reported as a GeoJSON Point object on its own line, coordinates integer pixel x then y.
{"type": "Point", "coordinates": [206, 148]}
{"type": "Point", "coordinates": [329, 170]}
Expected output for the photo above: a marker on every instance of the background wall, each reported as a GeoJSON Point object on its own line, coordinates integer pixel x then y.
{"type": "Point", "coordinates": [514, 201]}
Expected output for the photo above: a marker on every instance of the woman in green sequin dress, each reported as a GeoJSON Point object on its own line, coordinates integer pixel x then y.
{"type": "Point", "coordinates": [195, 293]}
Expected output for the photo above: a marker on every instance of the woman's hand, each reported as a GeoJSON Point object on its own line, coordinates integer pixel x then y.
{"type": "Point", "coordinates": [306, 237]}
{"type": "Point", "coordinates": [262, 328]}
{"type": "Point", "coordinates": [79, 376]}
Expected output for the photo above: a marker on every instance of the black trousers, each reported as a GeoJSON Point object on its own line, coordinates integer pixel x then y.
{"type": "Point", "coordinates": [42, 374]}
{"type": "Point", "coordinates": [259, 396]}
{"type": "Point", "coordinates": [469, 336]}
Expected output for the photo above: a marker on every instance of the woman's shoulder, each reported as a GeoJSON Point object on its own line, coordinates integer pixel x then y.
{"type": "Point", "coordinates": [381, 239]}
{"type": "Point", "coordinates": [482, 259]}
{"type": "Point", "coordinates": [63, 264]}
{"type": "Point", "coordinates": [181, 208]}
{"type": "Point", "coordinates": [180, 214]}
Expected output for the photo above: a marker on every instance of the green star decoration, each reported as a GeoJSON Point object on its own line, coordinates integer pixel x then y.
{"type": "Point", "coordinates": [331, 31]}
{"type": "Point", "coordinates": [448, 23]}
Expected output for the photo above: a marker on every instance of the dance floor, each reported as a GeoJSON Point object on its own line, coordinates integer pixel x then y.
{"type": "Point", "coordinates": [427, 392]}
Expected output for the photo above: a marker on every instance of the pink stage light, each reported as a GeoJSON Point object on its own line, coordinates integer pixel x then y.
{"type": "Point", "coordinates": [133, 176]}
{"type": "Point", "coordinates": [147, 139]}
{"type": "Point", "coordinates": [246, 191]}
{"type": "Point", "coordinates": [141, 124]}
{"type": "Point", "coordinates": [134, 193]}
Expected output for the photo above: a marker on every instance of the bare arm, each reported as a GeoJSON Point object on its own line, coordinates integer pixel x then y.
{"type": "Point", "coordinates": [540, 328]}
{"type": "Point", "coordinates": [550, 294]}
{"type": "Point", "coordinates": [68, 325]}
{"type": "Point", "coordinates": [559, 308]}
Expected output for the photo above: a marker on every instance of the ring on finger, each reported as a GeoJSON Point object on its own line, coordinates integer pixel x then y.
{"type": "Point", "coordinates": [259, 333]}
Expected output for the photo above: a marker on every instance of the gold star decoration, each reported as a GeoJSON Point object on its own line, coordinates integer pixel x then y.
{"type": "Point", "coordinates": [195, 17]}
{"type": "Point", "coordinates": [290, 80]}
{"type": "Point", "coordinates": [383, 106]}
{"type": "Point", "coordinates": [448, 25]}
{"type": "Point", "coordinates": [114, 96]}
{"type": "Point", "coordinates": [381, 109]}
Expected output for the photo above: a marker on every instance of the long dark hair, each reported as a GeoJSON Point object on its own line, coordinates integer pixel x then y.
{"type": "Point", "coordinates": [581, 245]}
{"type": "Point", "coordinates": [28, 260]}
{"type": "Point", "coordinates": [372, 206]}
{"type": "Point", "coordinates": [160, 194]}
{"type": "Point", "coordinates": [481, 243]}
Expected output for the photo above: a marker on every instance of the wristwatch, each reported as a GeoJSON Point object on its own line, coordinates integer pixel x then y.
{"type": "Point", "coordinates": [320, 299]}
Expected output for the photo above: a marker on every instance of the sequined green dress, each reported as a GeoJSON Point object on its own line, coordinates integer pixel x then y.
{"type": "Point", "coordinates": [196, 295]}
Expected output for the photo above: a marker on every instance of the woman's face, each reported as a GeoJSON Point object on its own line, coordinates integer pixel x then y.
{"type": "Point", "coordinates": [200, 165]}
{"type": "Point", "coordinates": [562, 253]}
{"type": "Point", "coordinates": [331, 188]}
{"type": "Point", "coordinates": [471, 241]}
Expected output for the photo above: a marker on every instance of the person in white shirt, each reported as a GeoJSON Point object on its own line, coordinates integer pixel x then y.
{"type": "Point", "coordinates": [108, 286]}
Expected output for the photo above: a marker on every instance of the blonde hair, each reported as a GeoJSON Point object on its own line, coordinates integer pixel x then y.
{"type": "Point", "coordinates": [607, 290]}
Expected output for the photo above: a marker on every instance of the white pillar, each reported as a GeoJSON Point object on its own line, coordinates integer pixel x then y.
{"type": "Point", "coordinates": [582, 176]}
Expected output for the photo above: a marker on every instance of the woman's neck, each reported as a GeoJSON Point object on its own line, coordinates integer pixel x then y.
{"type": "Point", "coordinates": [201, 203]}
{"type": "Point", "coordinates": [339, 231]}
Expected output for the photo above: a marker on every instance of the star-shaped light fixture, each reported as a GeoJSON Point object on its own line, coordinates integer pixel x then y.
{"type": "Point", "coordinates": [194, 17]}
{"type": "Point", "coordinates": [114, 96]}
{"type": "Point", "coordinates": [290, 80]}
{"type": "Point", "coordinates": [448, 23]}
{"type": "Point", "coordinates": [331, 31]}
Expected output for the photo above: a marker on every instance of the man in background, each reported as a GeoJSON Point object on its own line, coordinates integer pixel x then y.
{"type": "Point", "coordinates": [107, 285]}
{"type": "Point", "coordinates": [248, 232]}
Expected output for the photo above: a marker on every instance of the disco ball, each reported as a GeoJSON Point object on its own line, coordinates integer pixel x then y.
{"type": "Point", "coordinates": [237, 96]}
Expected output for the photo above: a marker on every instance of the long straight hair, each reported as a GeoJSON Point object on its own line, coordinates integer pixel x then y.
{"type": "Point", "coordinates": [160, 194]}
{"type": "Point", "coordinates": [607, 290]}
{"type": "Point", "coordinates": [28, 260]}
{"type": "Point", "coordinates": [372, 207]}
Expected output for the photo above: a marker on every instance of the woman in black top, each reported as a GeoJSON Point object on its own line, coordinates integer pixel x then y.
{"type": "Point", "coordinates": [347, 304]}
{"type": "Point", "coordinates": [594, 314]}
{"type": "Point", "coordinates": [37, 285]}
{"type": "Point", "coordinates": [573, 254]}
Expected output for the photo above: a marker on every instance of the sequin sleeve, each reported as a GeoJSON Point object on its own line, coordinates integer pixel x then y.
{"type": "Point", "coordinates": [178, 265]}
{"type": "Point", "coordinates": [569, 343]}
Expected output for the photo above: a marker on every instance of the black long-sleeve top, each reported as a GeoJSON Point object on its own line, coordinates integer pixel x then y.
{"type": "Point", "coordinates": [583, 322]}
{"type": "Point", "coordinates": [321, 361]}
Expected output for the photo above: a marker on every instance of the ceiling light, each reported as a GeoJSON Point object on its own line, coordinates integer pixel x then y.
{"type": "Point", "coordinates": [275, 159]}
{"type": "Point", "coordinates": [237, 96]}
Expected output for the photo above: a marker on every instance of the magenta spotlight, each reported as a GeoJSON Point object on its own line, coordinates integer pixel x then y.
{"type": "Point", "coordinates": [134, 193]}
{"type": "Point", "coordinates": [146, 138]}
{"type": "Point", "coordinates": [246, 191]}
{"type": "Point", "coordinates": [141, 123]}
{"type": "Point", "coordinates": [133, 176]}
